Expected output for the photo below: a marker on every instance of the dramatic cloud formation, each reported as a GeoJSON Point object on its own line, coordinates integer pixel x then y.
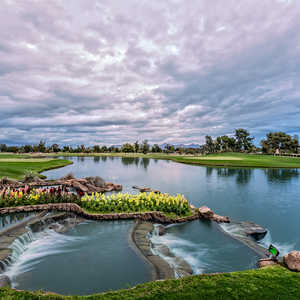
{"type": "Point", "coordinates": [172, 71]}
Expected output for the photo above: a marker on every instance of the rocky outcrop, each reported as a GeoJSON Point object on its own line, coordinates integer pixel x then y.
{"type": "Point", "coordinates": [240, 232]}
{"type": "Point", "coordinates": [146, 189]}
{"type": "Point", "coordinates": [87, 185]}
{"type": "Point", "coordinates": [206, 213]}
{"type": "Point", "coordinates": [292, 260]}
{"type": "Point", "coordinates": [266, 262]}
{"type": "Point", "coordinates": [154, 216]}
{"type": "Point", "coordinates": [4, 281]}
{"type": "Point", "coordinates": [256, 231]}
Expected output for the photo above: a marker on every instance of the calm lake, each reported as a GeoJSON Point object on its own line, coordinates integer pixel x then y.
{"type": "Point", "coordinates": [94, 257]}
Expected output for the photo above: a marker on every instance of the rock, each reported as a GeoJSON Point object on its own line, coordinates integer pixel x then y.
{"type": "Point", "coordinates": [256, 231]}
{"type": "Point", "coordinates": [220, 219]}
{"type": "Point", "coordinates": [161, 230]}
{"type": "Point", "coordinates": [292, 260]}
{"type": "Point", "coordinates": [99, 182]}
{"type": "Point", "coordinates": [118, 187]}
{"type": "Point", "coordinates": [205, 212]}
{"type": "Point", "coordinates": [4, 281]}
{"type": "Point", "coordinates": [266, 262]}
{"type": "Point", "coordinates": [79, 186]}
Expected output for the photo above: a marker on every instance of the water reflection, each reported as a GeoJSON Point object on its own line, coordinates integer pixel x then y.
{"type": "Point", "coordinates": [242, 176]}
{"type": "Point", "coordinates": [281, 175]}
{"type": "Point", "coordinates": [96, 159]}
{"type": "Point", "coordinates": [104, 158]}
{"type": "Point", "coordinates": [144, 162]}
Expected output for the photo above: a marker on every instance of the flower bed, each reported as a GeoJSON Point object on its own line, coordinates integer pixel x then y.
{"type": "Point", "coordinates": [97, 202]}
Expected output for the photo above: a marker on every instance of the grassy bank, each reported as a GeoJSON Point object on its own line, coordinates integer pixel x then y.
{"type": "Point", "coordinates": [15, 166]}
{"type": "Point", "coordinates": [268, 283]}
{"type": "Point", "coordinates": [219, 159]}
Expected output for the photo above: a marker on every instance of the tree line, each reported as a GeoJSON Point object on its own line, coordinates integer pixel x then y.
{"type": "Point", "coordinates": [241, 141]}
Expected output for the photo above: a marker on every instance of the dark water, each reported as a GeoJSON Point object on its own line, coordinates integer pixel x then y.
{"type": "Point", "coordinates": [96, 256]}
{"type": "Point", "coordinates": [268, 197]}
{"type": "Point", "coordinates": [90, 258]}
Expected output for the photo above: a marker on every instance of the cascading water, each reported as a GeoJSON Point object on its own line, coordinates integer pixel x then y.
{"type": "Point", "coordinates": [282, 247]}
{"type": "Point", "coordinates": [203, 246]}
{"type": "Point", "coordinates": [30, 248]}
{"type": "Point", "coordinates": [236, 231]}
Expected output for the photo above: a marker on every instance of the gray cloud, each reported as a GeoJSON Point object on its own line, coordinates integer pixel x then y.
{"type": "Point", "coordinates": [167, 71]}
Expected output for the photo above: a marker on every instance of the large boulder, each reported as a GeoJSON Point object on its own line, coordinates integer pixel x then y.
{"type": "Point", "coordinates": [96, 181]}
{"type": "Point", "coordinates": [292, 260]}
{"type": "Point", "coordinates": [99, 182]}
{"type": "Point", "coordinates": [205, 212]}
{"type": "Point", "coordinates": [255, 231]}
{"type": "Point", "coordinates": [4, 281]}
{"type": "Point", "coordinates": [266, 262]}
{"type": "Point", "coordinates": [220, 219]}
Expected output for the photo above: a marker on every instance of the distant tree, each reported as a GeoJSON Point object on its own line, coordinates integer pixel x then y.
{"type": "Point", "coordinates": [41, 146]}
{"type": "Point", "coordinates": [145, 147]}
{"type": "Point", "coordinates": [13, 149]}
{"type": "Point", "coordinates": [3, 148]}
{"type": "Point", "coordinates": [281, 141]}
{"type": "Point", "coordinates": [127, 148]}
{"type": "Point", "coordinates": [156, 149]}
{"type": "Point", "coordinates": [103, 149]}
{"type": "Point", "coordinates": [55, 148]}
{"type": "Point", "coordinates": [28, 148]}
{"type": "Point", "coordinates": [209, 144]}
{"type": "Point", "coordinates": [96, 149]}
{"type": "Point", "coordinates": [243, 140]}
{"type": "Point", "coordinates": [136, 147]}
{"type": "Point", "coordinates": [169, 149]}
{"type": "Point", "coordinates": [66, 149]}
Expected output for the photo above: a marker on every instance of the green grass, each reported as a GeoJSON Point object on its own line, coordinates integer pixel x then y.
{"type": "Point", "coordinates": [219, 159]}
{"type": "Point", "coordinates": [16, 168]}
{"type": "Point", "coordinates": [242, 160]}
{"type": "Point", "coordinates": [267, 283]}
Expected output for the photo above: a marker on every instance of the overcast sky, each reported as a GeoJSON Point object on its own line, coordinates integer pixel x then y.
{"type": "Point", "coordinates": [115, 71]}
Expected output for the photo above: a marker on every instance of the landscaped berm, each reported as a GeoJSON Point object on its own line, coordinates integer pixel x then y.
{"type": "Point", "coordinates": [273, 282]}
{"type": "Point", "coordinates": [268, 283]}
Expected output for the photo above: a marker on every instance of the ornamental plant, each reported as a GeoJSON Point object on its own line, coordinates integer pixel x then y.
{"type": "Point", "coordinates": [97, 202]}
{"type": "Point", "coordinates": [135, 203]}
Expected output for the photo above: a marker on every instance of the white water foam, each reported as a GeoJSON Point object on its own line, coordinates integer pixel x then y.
{"type": "Point", "coordinates": [234, 230]}
{"type": "Point", "coordinates": [31, 248]}
{"type": "Point", "coordinates": [191, 252]}
{"type": "Point", "coordinates": [283, 248]}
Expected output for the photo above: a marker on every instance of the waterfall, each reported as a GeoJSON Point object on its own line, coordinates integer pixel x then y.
{"type": "Point", "coordinates": [31, 248]}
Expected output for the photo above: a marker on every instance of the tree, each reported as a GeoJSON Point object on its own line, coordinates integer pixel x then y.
{"type": "Point", "coordinates": [281, 141]}
{"type": "Point", "coordinates": [127, 148]}
{"type": "Point", "coordinates": [136, 147]}
{"type": "Point", "coordinates": [156, 149]}
{"type": "Point", "coordinates": [169, 148]}
{"type": "Point", "coordinates": [55, 148]}
{"type": "Point", "coordinates": [41, 147]}
{"type": "Point", "coordinates": [96, 149]}
{"type": "Point", "coordinates": [145, 147]}
{"type": "Point", "coordinates": [103, 149]}
{"type": "Point", "coordinates": [209, 144]}
{"type": "Point", "coordinates": [3, 148]}
{"type": "Point", "coordinates": [243, 140]}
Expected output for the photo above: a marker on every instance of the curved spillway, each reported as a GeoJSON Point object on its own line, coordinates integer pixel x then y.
{"type": "Point", "coordinates": [89, 258]}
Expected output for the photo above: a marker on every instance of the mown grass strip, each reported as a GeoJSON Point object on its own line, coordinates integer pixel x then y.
{"type": "Point", "coordinates": [18, 168]}
{"type": "Point", "coordinates": [267, 283]}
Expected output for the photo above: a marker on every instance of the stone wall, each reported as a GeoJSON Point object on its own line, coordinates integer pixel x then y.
{"type": "Point", "coordinates": [154, 216]}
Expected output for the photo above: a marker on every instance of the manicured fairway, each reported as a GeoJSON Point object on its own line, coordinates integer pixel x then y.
{"type": "Point", "coordinates": [15, 166]}
{"type": "Point", "coordinates": [242, 160]}
{"type": "Point", "coordinates": [219, 159]}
